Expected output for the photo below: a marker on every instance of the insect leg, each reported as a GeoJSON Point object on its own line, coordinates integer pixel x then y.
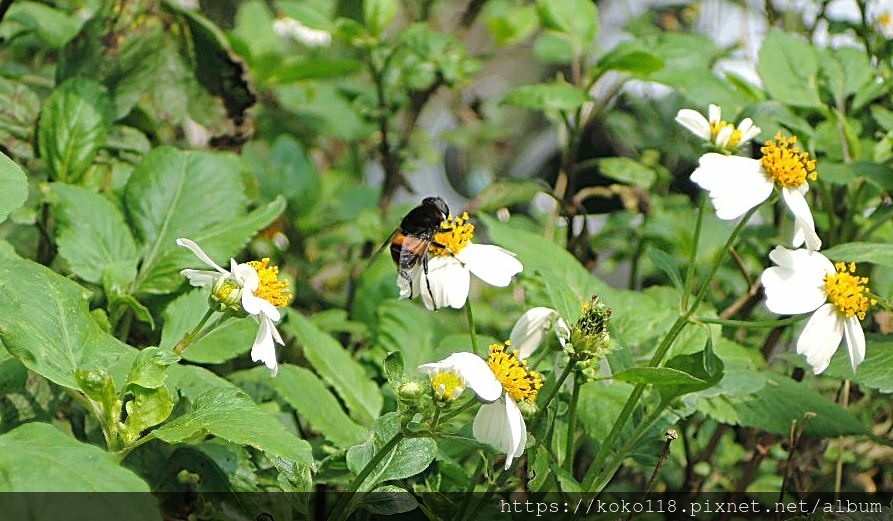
{"type": "Point", "coordinates": [427, 282]}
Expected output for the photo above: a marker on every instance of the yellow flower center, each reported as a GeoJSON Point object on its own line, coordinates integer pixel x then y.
{"type": "Point", "coordinates": [455, 233]}
{"type": "Point", "coordinates": [519, 382]}
{"type": "Point", "coordinates": [447, 385]}
{"type": "Point", "coordinates": [224, 289]}
{"type": "Point", "coordinates": [785, 163]}
{"type": "Point", "coordinates": [885, 20]}
{"type": "Point", "coordinates": [734, 139]}
{"type": "Point", "coordinates": [848, 292]}
{"type": "Point", "coordinates": [270, 288]}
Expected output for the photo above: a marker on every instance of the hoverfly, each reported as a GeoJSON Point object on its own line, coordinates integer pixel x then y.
{"type": "Point", "coordinates": [410, 242]}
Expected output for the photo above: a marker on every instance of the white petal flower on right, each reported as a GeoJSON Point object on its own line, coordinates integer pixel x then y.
{"type": "Point", "coordinates": [737, 184]}
{"type": "Point", "coordinates": [530, 330]}
{"type": "Point", "coordinates": [453, 259]}
{"type": "Point", "coordinates": [255, 288]}
{"type": "Point", "coordinates": [806, 281]}
{"type": "Point", "coordinates": [500, 382]}
{"type": "Point", "coordinates": [721, 134]}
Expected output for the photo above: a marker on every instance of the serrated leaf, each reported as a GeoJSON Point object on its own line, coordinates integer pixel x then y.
{"type": "Point", "coordinates": [874, 253]}
{"type": "Point", "coordinates": [53, 26]}
{"type": "Point", "coordinates": [306, 393]}
{"type": "Point", "coordinates": [789, 69]}
{"type": "Point", "coordinates": [91, 233]}
{"type": "Point", "coordinates": [547, 96]}
{"type": "Point", "coordinates": [229, 340]}
{"type": "Point", "coordinates": [875, 372]}
{"type": "Point", "coordinates": [56, 462]}
{"type": "Point", "coordinates": [657, 376]}
{"type": "Point", "coordinates": [73, 126]}
{"type": "Point", "coordinates": [337, 368]}
{"type": "Point", "coordinates": [388, 500]}
{"type": "Point", "coordinates": [147, 408]}
{"type": "Point", "coordinates": [60, 335]}
{"type": "Point", "coordinates": [410, 457]}
{"type": "Point", "coordinates": [149, 368]}
{"type": "Point", "coordinates": [230, 414]}
{"type": "Point", "coordinates": [13, 186]}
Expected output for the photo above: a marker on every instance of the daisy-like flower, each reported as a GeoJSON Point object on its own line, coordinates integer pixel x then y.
{"type": "Point", "coordinates": [721, 134]}
{"type": "Point", "coordinates": [452, 260]}
{"type": "Point", "coordinates": [737, 184]}
{"type": "Point", "coordinates": [253, 288]}
{"type": "Point", "coordinates": [500, 382]}
{"type": "Point", "coordinates": [806, 281]}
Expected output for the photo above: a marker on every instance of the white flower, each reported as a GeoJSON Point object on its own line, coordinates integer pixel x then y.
{"type": "Point", "coordinates": [450, 265]}
{"type": "Point", "coordinates": [714, 130]}
{"type": "Point", "coordinates": [806, 281]}
{"type": "Point", "coordinates": [255, 288]}
{"type": "Point", "coordinates": [499, 421]}
{"type": "Point", "coordinates": [531, 328]}
{"type": "Point", "coordinates": [291, 28]}
{"type": "Point", "coordinates": [737, 184]}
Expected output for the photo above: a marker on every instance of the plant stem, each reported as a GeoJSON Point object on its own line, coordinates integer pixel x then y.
{"type": "Point", "coordinates": [472, 482]}
{"type": "Point", "coordinates": [692, 260]}
{"type": "Point", "coordinates": [756, 324]}
{"type": "Point", "coordinates": [189, 338]}
{"type": "Point", "coordinates": [671, 435]}
{"type": "Point", "coordinates": [474, 338]}
{"type": "Point", "coordinates": [605, 477]}
{"type": "Point", "coordinates": [658, 356]}
{"type": "Point", "coordinates": [571, 427]}
{"type": "Point", "coordinates": [554, 391]}
{"type": "Point", "coordinates": [342, 507]}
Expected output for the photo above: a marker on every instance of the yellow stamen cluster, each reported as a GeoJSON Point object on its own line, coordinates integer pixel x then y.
{"type": "Point", "coordinates": [519, 382]}
{"type": "Point", "coordinates": [734, 139]}
{"type": "Point", "coordinates": [785, 163]}
{"type": "Point", "coordinates": [848, 292]}
{"type": "Point", "coordinates": [885, 20]}
{"type": "Point", "coordinates": [227, 292]}
{"type": "Point", "coordinates": [271, 288]}
{"type": "Point", "coordinates": [447, 385]}
{"type": "Point", "coordinates": [455, 233]}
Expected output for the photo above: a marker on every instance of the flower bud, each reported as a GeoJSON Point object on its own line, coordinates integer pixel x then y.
{"type": "Point", "coordinates": [447, 386]}
{"type": "Point", "coordinates": [409, 391]}
{"type": "Point", "coordinates": [226, 295]}
{"type": "Point", "coordinates": [589, 336]}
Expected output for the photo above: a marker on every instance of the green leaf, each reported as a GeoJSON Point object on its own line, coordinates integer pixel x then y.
{"type": "Point", "coordinates": [389, 500]}
{"type": "Point", "coordinates": [197, 195]}
{"type": "Point", "coordinates": [874, 253]}
{"type": "Point", "coordinates": [147, 408]}
{"type": "Point", "coordinates": [410, 456]}
{"type": "Point", "coordinates": [657, 376]}
{"type": "Point", "coordinates": [337, 368]}
{"type": "Point", "coordinates": [577, 18]}
{"type": "Point", "coordinates": [875, 372]}
{"type": "Point", "coordinates": [626, 170]}
{"type": "Point", "coordinates": [508, 22]}
{"type": "Point", "coordinates": [73, 126]}
{"type": "Point", "coordinates": [506, 192]}
{"type": "Point", "coordinates": [230, 414]}
{"type": "Point", "coordinates": [377, 15]}
{"type": "Point", "coordinates": [632, 57]}
{"type": "Point", "coordinates": [667, 264]}
{"type": "Point", "coordinates": [547, 96]}
{"type": "Point", "coordinates": [149, 368]}
{"type": "Point", "coordinates": [98, 385]}
{"type": "Point", "coordinates": [313, 69]}
{"type": "Point", "coordinates": [789, 69]}
{"type": "Point", "coordinates": [60, 335]}
{"type": "Point", "coordinates": [53, 26]}
{"type": "Point", "coordinates": [310, 397]}
{"type": "Point", "coordinates": [19, 108]}
{"type": "Point", "coordinates": [406, 328]}
{"type": "Point", "coordinates": [56, 462]}
{"type": "Point", "coordinates": [845, 173]}
{"type": "Point", "coordinates": [13, 186]}
{"type": "Point", "coordinates": [229, 340]}
{"type": "Point", "coordinates": [90, 233]}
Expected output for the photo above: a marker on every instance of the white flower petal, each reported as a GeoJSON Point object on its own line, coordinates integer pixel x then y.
{"type": "Point", "coordinates": [714, 114]}
{"type": "Point", "coordinates": [735, 184]}
{"type": "Point", "coordinates": [563, 331]}
{"type": "Point", "coordinates": [821, 337]}
{"type": "Point", "coordinates": [245, 275]}
{"type": "Point", "coordinates": [855, 340]}
{"type": "Point", "coordinates": [448, 281]}
{"type": "Point", "coordinates": [409, 287]}
{"type": "Point", "coordinates": [501, 425]}
{"type": "Point", "coordinates": [804, 226]}
{"type": "Point", "coordinates": [530, 330]}
{"type": "Point", "coordinates": [200, 253]}
{"type": "Point", "coordinates": [797, 284]}
{"type": "Point", "coordinates": [748, 130]}
{"type": "Point", "coordinates": [722, 138]}
{"type": "Point", "coordinates": [264, 348]}
{"type": "Point", "coordinates": [695, 123]}
{"type": "Point", "coordinates": [474, 370]}
{"type": "Point", "coordinates": [258, 306]}
{"type": "Point", "coordinates": [201, 277]}
{"type": "Point", "coordinates": [491, 264]}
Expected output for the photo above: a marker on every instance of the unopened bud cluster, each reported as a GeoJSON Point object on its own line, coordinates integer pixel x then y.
{"type": "Point", "coordinates": [226, 296]}
{"type": "Point", "coordinates": [589, 338]}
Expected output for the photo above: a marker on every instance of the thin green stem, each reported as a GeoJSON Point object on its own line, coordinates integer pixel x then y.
{"type": "Point", "coordinates": [435, 418]}
{"type": "Point", "coordinates": [342, 507]}
{"type": "Point", "coordinates": [554, 391]}
{"type": "Point", "coordinates": [756, 324]}
{"type": "Point", "coordinates": [472, 482]}
{"type": "Point", "coordinates": [469, 314]}
{"type": "Point", "coordinates": [214, 325]}
{"type": "Point", "coordinates": [572, 427]}
{"type": "Point", "coordinates": [189, 338]}
{"type": "Point", "coordinates": [601, 480]}
{"type": "Point", "coordinates": [459, 410]}
{"type": "Point", "coordinates": [692, 260]}
{"type": "Point", "coordinates": [664, 346]}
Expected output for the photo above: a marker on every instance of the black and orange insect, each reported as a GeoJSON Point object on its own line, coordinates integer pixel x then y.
{"type": "Point", "coordinates": [411, 240]}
